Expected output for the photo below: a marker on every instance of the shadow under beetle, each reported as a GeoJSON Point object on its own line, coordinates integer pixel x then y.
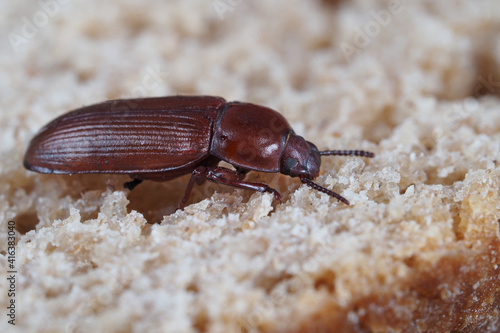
{"type": "Point", "coordinates": [163, 138]}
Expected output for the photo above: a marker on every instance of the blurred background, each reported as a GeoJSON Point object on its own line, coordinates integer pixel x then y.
{"type": "Point", "coordinates": [357, 59]}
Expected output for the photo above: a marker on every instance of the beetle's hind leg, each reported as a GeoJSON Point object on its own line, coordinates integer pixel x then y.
{"type": "Point", "coordinates": [130, 185]}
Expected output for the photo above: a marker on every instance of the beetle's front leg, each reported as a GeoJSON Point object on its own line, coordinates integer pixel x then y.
{"type": "Point", "coordinates": [223, 176]}
{"type": "Point", "coordinates": [233, 178]}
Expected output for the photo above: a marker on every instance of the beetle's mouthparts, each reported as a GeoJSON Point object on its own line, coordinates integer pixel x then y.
{"type": "Point", "coordinates": [362, 153]}
{"type": "Point", "coordinates": [315, 186]}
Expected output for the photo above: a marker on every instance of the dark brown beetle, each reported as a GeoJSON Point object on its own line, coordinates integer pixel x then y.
{"type": "Point", "coordinates": [163, 138]}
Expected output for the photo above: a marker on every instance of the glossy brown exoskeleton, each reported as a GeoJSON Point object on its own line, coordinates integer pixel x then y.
{"type": "Point", "coordinates": [163, 138]}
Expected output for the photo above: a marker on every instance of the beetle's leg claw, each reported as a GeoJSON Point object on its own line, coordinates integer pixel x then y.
{"type": "Point", "coordinates": [276, 194]}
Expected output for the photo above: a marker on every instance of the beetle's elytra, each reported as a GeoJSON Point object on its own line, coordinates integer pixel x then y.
{"type": "Point", "coordinates": [163, 138]}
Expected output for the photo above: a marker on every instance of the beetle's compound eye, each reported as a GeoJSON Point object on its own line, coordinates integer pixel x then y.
{"type": "Point", "coordinates": [289, 164]}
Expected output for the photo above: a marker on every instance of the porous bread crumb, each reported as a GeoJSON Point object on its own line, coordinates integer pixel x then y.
{"type": "Point", "coordinates": [417, 82]}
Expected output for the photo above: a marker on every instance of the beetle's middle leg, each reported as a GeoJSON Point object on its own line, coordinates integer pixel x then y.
{"type": "Point", "coordinates": [197, 176]}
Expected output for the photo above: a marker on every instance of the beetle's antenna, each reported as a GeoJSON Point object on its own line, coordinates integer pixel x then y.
{"type": "Point", "coordinates": [362, 153]}
{"type": "Point", "coordinates": [324, 190]}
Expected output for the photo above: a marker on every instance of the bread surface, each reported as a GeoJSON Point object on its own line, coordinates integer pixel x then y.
{"type": "Point", "coordinates": [416, 82]}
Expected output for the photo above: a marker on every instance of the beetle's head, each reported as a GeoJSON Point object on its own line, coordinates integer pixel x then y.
{"type": "Point", "coordinates": [300, 158]}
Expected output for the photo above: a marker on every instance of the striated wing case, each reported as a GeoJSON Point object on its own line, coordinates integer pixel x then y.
{"type": "Point", "coordinates": [136, 136]}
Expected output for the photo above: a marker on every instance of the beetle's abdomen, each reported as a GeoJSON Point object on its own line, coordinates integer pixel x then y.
{"type": "Point", "coordinates": [127, 136]}
{"type": "Point", "coordinates": [250, 136]}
